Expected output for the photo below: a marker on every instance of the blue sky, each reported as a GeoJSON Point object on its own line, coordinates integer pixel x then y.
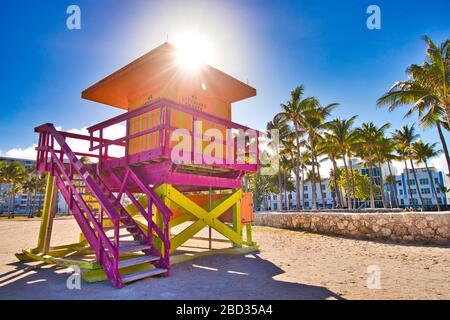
{"type": "Point", "coordinates": [274, 45]}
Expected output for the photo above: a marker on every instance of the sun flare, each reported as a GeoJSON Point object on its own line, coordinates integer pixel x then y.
{"type": "Point", "coordinates": [193, 51]}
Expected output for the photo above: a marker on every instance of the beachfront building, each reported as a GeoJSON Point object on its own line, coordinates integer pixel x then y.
{"type": "Point", "coordinates": [24, 201]}
{"type": "Point", "coordinates": [273, 200]}
{"type": "Point", "coordinates": [411, 198]}
{"type": "Point", "coordinates": [400, 192]}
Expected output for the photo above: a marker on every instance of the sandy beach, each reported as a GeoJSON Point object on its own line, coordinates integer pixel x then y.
{"type": "Point", "coordinates": [289, 265]}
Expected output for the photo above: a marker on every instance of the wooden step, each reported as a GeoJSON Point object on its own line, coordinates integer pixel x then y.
{"type": "Point", "coordinates": [121, 217]}
{"type": "Point", "coordinates": [120, 227]}
{"type": "Point", "coordinates": [132, 246]}
{"type": "Point", "coordinates": [143, 274]}
{"type": "Point", "coordinates": [136, 261]}
{"type": "Point", "coordinates": [123, 235]}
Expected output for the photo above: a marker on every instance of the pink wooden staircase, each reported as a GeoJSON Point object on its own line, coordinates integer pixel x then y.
{"type": "Point", "coordinates": [108, 228]}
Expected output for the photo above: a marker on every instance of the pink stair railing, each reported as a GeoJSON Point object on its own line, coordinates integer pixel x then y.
{"type": "Point", "coordinates": [53, 160]}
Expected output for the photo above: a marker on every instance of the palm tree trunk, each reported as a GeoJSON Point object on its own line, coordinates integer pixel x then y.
{"type": "Point", "coordinates": [303, 190]}
{"type": "Point", "coordinates": [383, 198]}
{"type": "Point", "coordinates": [393, 186]}
{"type": "Point", "coordinates": [28, 203]}
{"type": "Point", "coordinates": [432, 185]}
{"type": "Point", "coordinates": [372, 196]}
{"type": "Point", "coordinates": [33, 204]}
{"type": "Point", "coordinates": [324, 204]}
{"type": "Point", "coordinates": [411, 201]}
{"type": "Point", "coordinates": [13, 201]}
{"type": "Point", "coordinates": [265, 201]}
{"type": "Point", "coordinates": [296, 166]}
{"type": "Point", "coordinates": [313, 174]}
{"type": "Point", "coordinates": [349, 198]}
{"type": "Point", "coordinates": [417, 184]}
{"type": "Point", "coordinates": [353, 184]}
{"type": "Point", "coordinates": [313, 187]}
{"type": "Point", "coordinates": [280, 185]}
{"type": "Point", "coordinates": [336, 187]}
{"type": "Point", "coordinates": [286, 200]}
{"type": "Point", "coordinates": [444, 145]}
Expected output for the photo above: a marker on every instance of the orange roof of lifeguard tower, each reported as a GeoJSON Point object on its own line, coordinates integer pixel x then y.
{"type": "Point", "coordinates": [159, 68]}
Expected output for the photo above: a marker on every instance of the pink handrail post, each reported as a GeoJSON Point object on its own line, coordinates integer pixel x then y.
{"type": "Point", "coordinates": [167, 132]}
{"type": "Point", "coordinates": [100, 150]}
{"type": "Point", "coordinates": [162, 112]}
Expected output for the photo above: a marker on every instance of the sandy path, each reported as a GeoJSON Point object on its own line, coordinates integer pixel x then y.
{"type": "Point", "coordinates": [290, 265]}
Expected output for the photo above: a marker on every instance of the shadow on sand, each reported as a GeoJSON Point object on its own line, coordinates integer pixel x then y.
{"type": "Point", "coordinates": [239, 276]}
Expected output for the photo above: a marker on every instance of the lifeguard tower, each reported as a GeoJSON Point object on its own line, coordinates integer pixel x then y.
{"type": "Point", "coordinates": [143, 186]}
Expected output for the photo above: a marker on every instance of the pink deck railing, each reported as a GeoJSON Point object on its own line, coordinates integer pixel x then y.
{"type": "Point", "coordinates": [240, 153]}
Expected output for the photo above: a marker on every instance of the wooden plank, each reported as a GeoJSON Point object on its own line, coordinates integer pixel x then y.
{"type": "Point", "coordinates": [135, 261]}
{"type": "Point", "coordinates": [143, 274]}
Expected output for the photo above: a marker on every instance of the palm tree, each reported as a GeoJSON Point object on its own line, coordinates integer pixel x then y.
{"type": "Point", "coordinates": [335, 175]}
{"type": "Point", "coordinates": [426, 90]}
{"type": "Point", "coordinates": [403, 155]}
{"type": "Point", "coordinates": [283, 131]}
{"type": "Point", "coordinates": [40, 182]}
{"type": "Point", "coordinates": [383, 150]}
{"type": "Point", "coordinates": [421, 153]}
{"type": "Point", "coordinates": [343, 136]}
{"type": "Point", "coordinates": [389, 156]}
{"type": "Point", "coordinates": [370, 136]}
{"type": "Point", "coordinates": [434, 119]}
{"type": "Point", "coordinates": [28, 188]}
{"type": "Point", "coordinates": [292, 112]}
{"type": "Point", "coordinates": [313, 122]}
{"type": "Point", "coordinates": [14, 190]}
{"type": "Point", "coordinates": [287, 168]}
{"type": "Point", "coordinates": [405, 137]}
{"type": "Point", "coordinates": [14, 174]}
{"type": "Point", "coordinates": [327, 146]}
{"type": "Point", "coordinates": [428, 85]}
{"type": "Point", "coordinates": [289, 152]}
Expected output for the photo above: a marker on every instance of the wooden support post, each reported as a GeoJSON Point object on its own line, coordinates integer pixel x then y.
{"type": "Point", "coordinates": [249, 236]}
{"type": "Point", "coordinates": [48, 214]}
{"type": "Point", "coordinates": [237, 224]}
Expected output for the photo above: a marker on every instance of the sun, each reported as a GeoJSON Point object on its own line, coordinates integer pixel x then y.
{"type": "Point", "coordinates": [194, 50]}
